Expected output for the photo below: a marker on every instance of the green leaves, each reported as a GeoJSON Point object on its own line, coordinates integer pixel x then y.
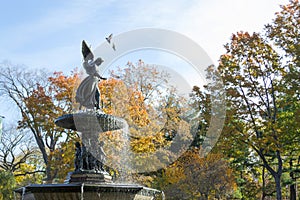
{"type": "Point", "coordinates": [7, 184]}
{"type": "Point", "coordinates": [262, 84]}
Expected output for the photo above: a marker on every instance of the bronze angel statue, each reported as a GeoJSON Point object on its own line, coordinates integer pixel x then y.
{"type": "Point", "coordinates": [88, 94]}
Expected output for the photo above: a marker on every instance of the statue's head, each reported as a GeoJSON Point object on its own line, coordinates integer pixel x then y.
{"type": "Point", "coordinates": [89, 57]}
{"type": "Point", "coordinates": [98, 61]}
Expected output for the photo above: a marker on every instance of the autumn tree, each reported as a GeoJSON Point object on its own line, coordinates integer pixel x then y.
{"type": "Point", "coordinates": [241, 160]}
{"type": "Point", "coordinates": [151, 107]}
{"type": "Point", "coordinates": [195, 177]}
{"type": "Point", "coordinates": [160, 122]}
{"type": "Point", "coordinates": [285, 33]}
{"type": "Point", "coordinates": [251, 70]}
{"type": "Point", "coordinates": [40, 101]}
{"type": "Point", "coordinates": [259, 81]}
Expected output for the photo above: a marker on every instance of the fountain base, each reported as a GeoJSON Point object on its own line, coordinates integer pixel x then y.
{"type": "Point", "coordinates": [80, 191]}
{"type": "Point", "coordinates": [88, 181]}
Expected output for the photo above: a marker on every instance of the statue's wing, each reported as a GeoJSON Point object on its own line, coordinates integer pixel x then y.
{"type": "Point", "coordinates": [86, 51]}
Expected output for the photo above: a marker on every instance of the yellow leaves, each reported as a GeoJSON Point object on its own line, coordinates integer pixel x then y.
{"type": "Point", "coordinates": [143, 145]}
{"type": "Point", "coordinates": [117, 99]}
{"type": "Point", "coordinates": [226, 56]}
{"type": "Point", "coordinates": [239, 37]}
{"type": "Point", "coordinates": [196, 176]}
{"type": "Point", "coordinates": [148, 143]}
{"type": "Point", "coordinates": [61, 160]}
{"type": "Point", "coordinates": [152, 113]}
{"type": "Point", "coordinates": [174, 174]}
{"type": "Point", "coordinates": [21, 180]}
{"type": "Point", "coordinates": [239, 77]}
{"type": "Point", "coordinates": [139, 115]}
{"type": "Point", "coordinates": [113, 96]}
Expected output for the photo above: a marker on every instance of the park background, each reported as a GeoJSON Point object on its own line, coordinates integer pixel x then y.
{"type": "Point", "coordinates": [257, 156]}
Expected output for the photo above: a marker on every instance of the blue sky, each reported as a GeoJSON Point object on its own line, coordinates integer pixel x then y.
{"type": "Point", "coordinates": [48, 34]}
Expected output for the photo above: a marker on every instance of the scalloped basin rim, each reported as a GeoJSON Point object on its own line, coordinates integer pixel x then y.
{"type": "Point", "coordinates": [84, 121]}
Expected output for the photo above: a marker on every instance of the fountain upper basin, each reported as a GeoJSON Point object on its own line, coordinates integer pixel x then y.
{"type": "Point", "coordinates": [90, 121]}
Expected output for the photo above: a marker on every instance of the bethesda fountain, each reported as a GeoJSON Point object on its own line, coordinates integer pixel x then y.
{"type": "Point", "coordinates": [89, 180]}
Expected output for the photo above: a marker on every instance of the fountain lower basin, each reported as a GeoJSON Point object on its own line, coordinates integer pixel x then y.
{"type": "Point", "coordinates": [81, 191]}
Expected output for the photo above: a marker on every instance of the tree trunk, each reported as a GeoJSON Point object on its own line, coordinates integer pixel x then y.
{"type": "Point", "coordinates": [263, 184]}
{"type": "Point", "coordinates": [48, 174]}
{"type": "Point", "coordinates": [275, 174]}
{"type": "Point", "coordinates": [278, 187]}
{"type": "Point", "coordinates": [49, 171]}
{"type": "Point", "coordinates": [42, 148]}
{"type": "Point", "coordinates": [293, 193]}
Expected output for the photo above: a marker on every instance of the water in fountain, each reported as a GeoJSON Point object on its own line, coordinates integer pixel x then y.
{"type": "Point", "coordinates": [125, 168]}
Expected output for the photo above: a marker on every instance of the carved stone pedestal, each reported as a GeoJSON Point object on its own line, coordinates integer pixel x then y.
{"type": "Point", "coordinates": [92, 178]}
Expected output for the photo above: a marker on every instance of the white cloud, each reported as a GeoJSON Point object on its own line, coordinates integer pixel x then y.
{"type": "Point", "coordinates": [209, 23]}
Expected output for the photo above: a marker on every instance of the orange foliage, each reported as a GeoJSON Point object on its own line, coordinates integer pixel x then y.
{"type": "Point", "coordinates": [63, 86]}
{"type": "Point", "coordinates": [45, 104]}
{"type": "Point", "coordinates": [196, 177]}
